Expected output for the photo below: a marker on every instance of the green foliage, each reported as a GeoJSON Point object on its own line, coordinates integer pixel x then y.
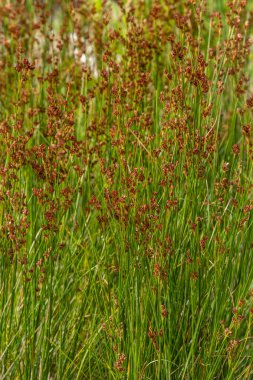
{"type": "Point", "coordinates": [126, 190]}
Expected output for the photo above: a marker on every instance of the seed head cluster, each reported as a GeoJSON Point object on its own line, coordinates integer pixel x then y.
{"type": "Point", "coordinates": [126, 189]}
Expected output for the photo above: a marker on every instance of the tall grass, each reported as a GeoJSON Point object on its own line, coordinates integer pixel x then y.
{"type": "Point", "coordinates": [126, 190]}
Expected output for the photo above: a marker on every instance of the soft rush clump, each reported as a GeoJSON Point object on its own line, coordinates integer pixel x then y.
{"type": "Point", "coordinates": [126, 189]}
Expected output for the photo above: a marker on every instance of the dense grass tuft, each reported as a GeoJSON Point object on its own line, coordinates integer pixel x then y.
{"type": "Point", "coordinates": [126, 190]}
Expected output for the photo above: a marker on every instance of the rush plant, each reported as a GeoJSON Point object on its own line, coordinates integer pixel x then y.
{"type": "Point", "coordinates": [126, 190]}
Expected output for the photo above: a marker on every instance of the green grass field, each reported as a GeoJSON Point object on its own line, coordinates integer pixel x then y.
{"type": "Point", "coordinates": [126, 190]}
